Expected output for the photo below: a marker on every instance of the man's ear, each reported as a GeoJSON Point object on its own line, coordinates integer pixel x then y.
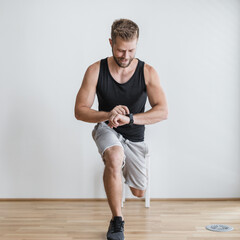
{"type": "Point", "coordinates": [110, 41]}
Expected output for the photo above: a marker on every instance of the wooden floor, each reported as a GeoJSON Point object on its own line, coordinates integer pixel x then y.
{"type": "Point", "coordinates": [164, 220]}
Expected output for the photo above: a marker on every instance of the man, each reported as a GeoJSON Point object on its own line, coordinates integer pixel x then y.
{"type": "Point", "coordinates": [122, 84]}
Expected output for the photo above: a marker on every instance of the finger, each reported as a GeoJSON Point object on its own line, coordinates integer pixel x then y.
{"type": "Point", "coordinates": [126, 109]}
{"type": "Point", "coordinates": [111, 119]}
{"type": "Point", "coordinates": [121, 110]}
{"type": "Point", "coordinates": [114, 111]}
{"type": "Point", "coordinates": [115, 120]}
{"type": "Point", "coordinates": [118, 120]}
{"type": "Point", "coordinates": [112, 125]}
{"type": "Point", "coordinates": [110, 115]}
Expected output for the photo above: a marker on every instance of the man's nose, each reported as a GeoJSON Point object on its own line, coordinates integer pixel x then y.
{"type": "Point", "coordinates": [126, 54]}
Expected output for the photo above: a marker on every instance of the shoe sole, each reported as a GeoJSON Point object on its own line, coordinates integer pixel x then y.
{"type": "Point", "coordinates": [111, 239]}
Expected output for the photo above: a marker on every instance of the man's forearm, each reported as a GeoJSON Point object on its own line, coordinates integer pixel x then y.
{"type": "Point", "coordinates": [154, 115]}
{"type": "Point", "coordinates": [90, 115]}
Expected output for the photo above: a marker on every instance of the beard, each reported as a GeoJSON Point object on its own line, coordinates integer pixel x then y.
{"type": "Point", "coordinates": [122, 62]}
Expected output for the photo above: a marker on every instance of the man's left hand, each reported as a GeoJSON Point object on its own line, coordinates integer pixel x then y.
{"type": "Point", "coordinates": [118, 120]}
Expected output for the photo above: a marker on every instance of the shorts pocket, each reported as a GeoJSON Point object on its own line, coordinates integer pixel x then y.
{"type": "Point", "coordinates": [94, 131]}
{"type": "Point", "coordinates": [146, 149]}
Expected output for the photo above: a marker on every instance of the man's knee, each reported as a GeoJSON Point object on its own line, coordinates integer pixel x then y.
{"type": "Point", "coordinates": [137, 192]}
{"type": "Point", "coordinates": [113, 157]}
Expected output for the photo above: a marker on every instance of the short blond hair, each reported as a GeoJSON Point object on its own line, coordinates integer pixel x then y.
{"type": "Point", "coordinates": [124, 28]}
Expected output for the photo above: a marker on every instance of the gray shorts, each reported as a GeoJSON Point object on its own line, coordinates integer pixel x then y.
{"type": "Point", "coordinates": [135, 154]}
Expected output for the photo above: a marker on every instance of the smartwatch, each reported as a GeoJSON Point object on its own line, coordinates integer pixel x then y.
{"type": "Point", "coordinates": [131, 119]}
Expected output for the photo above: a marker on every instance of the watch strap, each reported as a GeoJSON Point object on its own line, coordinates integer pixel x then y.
{"type": "Point", "coordinates": [131, 119]}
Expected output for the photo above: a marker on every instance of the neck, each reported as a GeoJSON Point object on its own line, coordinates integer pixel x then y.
{"type": "Point", "coordinates": [117, 68]}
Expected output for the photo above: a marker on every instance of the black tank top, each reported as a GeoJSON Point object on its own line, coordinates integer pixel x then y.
{"type": "Point", "coordinates": [131, 94]}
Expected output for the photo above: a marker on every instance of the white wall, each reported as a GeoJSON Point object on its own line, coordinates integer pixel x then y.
{"type": "Point", "coordinates": [45, 48]}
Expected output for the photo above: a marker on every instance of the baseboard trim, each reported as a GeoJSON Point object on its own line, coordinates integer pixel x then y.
{"type": "Point", "coordinates": [127, 199]}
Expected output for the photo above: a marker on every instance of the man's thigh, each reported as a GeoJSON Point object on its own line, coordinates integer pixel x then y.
{"type": "Point", "coordinates": [135, 169]}
{"type": "Point", "coordinates": [135, 154]}
{"type": "Point", "coordinates": [106, 138]}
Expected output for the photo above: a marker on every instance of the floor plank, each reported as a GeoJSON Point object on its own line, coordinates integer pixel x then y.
{"type": "Point", "coordinates": [72, 220]}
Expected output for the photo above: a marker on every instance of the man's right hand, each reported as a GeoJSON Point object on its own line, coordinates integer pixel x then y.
{"type": "Point", "coordinates": [120, 109]}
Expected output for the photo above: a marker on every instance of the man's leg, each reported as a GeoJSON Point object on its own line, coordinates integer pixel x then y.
{"type": "Point", "coordinates": [137, 192]}
{"type": "Point", "coordinates": [135, 169]}
{"type": "Point", "coordinates": [113, 159]}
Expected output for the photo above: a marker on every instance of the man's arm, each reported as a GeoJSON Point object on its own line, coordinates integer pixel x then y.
{"type": "Point", "coordinates": [86, 95]}
{"type": "Point", "coordinates": [156, 97]}
{"type": "Point", "coordinates": [85, 99]}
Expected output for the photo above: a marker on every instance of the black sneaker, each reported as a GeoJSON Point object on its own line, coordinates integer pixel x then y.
{"type": "Point", "coordinates": [116, 229]}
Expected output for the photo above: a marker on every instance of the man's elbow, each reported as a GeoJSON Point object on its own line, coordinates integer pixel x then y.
{"type": "Point", "coordinates": [77, 114]}
{"type": "Point", "coordinates": [165, 114]}
{"type": "Point", "coordinates": [81, 113]}
{"type": "Point", "coordinates": [162, 113]}
{"type": "Point", "coordinates": [77, 117]}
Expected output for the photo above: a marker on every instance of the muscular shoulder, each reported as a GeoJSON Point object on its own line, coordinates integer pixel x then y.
{"type": "Point", "coordinates": [92, 72]}
{"type": "Point", "coordinates": [149, 73]}
{"type": "Point", "coordinates": [94, 68]}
